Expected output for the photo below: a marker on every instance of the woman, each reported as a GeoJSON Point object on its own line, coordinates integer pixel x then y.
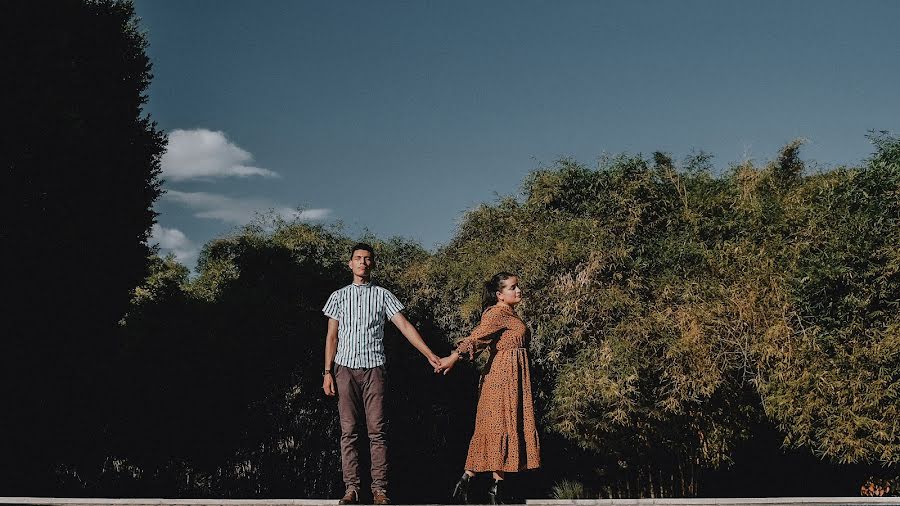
{"type": "Point", "coordinates": [505, 438]}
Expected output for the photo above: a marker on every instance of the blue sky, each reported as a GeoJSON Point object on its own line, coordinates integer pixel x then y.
{"type": "Point", "coordinates": [397, 117]}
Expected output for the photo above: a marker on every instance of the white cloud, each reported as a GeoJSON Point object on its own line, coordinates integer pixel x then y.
{"type": "Point", "coordinates": [201, 153]}
{"type": "Point", "coordinates": [239, 211]}
{"type": "Point", "coordinates": [172, 240]}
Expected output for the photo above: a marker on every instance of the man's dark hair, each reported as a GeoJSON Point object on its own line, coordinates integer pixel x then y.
{"type": "Point", "coordinates": [362, 246]}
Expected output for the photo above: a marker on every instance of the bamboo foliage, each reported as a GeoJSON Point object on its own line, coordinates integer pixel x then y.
{"type": "Point", "coordinates": [673, 311]}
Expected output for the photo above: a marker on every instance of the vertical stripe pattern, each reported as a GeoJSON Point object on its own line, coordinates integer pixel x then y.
{"type": "Point", "coordinates": [361, 311]}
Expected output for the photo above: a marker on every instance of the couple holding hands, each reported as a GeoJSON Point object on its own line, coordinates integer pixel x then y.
{"type": "Point", "coordinates": [505, 437]}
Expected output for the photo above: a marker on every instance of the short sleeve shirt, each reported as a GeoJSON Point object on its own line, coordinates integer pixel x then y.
{"type": "Point", "coordinates": [361, 311]}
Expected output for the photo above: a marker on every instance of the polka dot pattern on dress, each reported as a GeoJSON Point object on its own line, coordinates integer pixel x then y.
{"type": "Point", "coordinates": [505, 437]}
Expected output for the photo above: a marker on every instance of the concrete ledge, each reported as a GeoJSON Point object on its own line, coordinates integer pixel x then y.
{"type": "Point", "coordinates": [97, 501]}
{"type": "Point", "coordinates": [745, 501]}
{"type": "Point", "coordinates": [749, 501]}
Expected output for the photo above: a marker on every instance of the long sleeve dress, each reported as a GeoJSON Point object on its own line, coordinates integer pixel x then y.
{"type": "Point", "coordinates": [505, 437]}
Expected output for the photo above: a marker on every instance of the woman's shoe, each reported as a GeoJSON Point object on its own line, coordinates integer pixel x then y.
{"type": "Point", "coordinates": [461, 490]}
{"type": "Point", "coordinates": [495, 492]}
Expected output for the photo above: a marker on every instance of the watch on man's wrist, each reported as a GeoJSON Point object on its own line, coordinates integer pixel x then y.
{"type": "Point", "coordinates": [326, 372]}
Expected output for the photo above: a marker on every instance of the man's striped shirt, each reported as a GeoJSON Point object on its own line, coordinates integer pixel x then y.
{"type": "Point", "coordinates": [361, 311]}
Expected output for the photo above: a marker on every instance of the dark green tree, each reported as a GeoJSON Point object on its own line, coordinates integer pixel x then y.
{"type": "Point", "coordinates": [80, 166]}
{"type": "Point", "coordinates": [220, 374]}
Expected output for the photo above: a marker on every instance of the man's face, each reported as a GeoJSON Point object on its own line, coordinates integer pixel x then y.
{"type": "Point", "coordinates": [361, 263]}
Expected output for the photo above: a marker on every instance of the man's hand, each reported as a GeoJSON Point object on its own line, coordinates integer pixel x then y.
{"type": "Point", "coordinates": [434, 360]}
{"type": "Point", "coordinates": [328, 385]}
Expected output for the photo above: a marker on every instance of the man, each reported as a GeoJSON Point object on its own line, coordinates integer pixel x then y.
{"type": "Point", "coordinates": [354, 368]}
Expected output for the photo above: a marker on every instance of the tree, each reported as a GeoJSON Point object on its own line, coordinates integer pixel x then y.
{"type": "Point", "coordinates": [220, 374]}
{"type": "Point", "coordinates": [833, 377]}
{"type": "Point", "coordinates": [80, 174]}
{"type": "Point", "coordinates": [677, 314]}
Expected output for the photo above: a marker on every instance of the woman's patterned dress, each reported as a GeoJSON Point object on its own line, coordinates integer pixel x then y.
{"type": "Point", "coordinates": [505, 437]}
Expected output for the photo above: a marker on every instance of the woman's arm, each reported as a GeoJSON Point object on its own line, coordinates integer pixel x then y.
{"type": "Point", "coordinates": [491, 325]}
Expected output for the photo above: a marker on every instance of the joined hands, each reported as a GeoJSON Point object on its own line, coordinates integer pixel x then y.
{"type": "Point", "coordinates": [445, 364]}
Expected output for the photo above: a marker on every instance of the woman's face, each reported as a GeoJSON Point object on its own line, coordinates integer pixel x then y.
{"type": "Point", "coordinates": [509, 292]}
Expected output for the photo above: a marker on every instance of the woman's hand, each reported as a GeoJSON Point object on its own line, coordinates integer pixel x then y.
{"type": "Point", "coordinates": [447, 363]}
{"type": "Point", "coordinates": [433, 359]}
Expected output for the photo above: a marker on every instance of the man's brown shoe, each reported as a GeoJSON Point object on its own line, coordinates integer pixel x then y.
{"type": "Point", "coordinates": [380, 497]}
{"type": "Point", "coordinates": [350, 497]}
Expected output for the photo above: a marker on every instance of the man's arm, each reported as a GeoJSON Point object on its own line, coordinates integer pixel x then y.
{"type": "Point", "coordinates": [331, 338]}
{"type": "Point", "coordinates": [412, 335]}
